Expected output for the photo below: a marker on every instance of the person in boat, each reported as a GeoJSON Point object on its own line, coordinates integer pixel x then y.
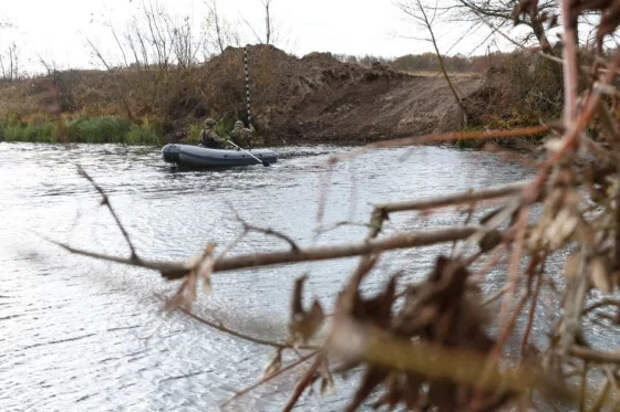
{"type": "Point", "coordinates": [209, 137]}
{"type": "Point", "coordinates": [244, 136]}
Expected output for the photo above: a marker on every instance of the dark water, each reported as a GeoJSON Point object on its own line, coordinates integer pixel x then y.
{"type": "Point", "coordinates": [79, 334]}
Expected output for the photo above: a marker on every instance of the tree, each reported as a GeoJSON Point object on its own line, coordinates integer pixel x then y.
{"type": "Point", "coordinates": [271, 33]}
{"type": "Point", "coordinates": [533, 14]}
{"type": "Point", "coordinates": [9, 62]}
{"type": "Point", "coordinates": [417, 11]}
{"type": "Point", "coordinates": [220, 33]}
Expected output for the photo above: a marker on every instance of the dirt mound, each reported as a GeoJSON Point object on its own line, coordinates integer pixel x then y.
{"type": "Point", "coordinates": [309, 99]}
{"type": "Point", "coordinates": [318, 98]}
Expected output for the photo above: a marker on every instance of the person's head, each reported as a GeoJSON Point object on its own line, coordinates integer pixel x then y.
{"type": "Point", "coordinates": [210, 123]}
{"type": "Point", "coordinates": [238, 124]}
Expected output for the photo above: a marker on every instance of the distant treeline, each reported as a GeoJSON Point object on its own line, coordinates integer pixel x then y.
{"type": "Point", "coordinates": [429, 62]}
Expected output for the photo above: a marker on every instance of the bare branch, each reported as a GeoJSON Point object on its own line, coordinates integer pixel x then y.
{"type": "Point", "coordinates": [592, 355]}
{"type": "Point", "coordinates": [272, 376]}
{"type": "Point", "coordinates": [267, 231]}
{"type": "Point", "coordinates": [176, 270]}
{"type": "Point", "coordinates": [220, 327]}
{"type": "Point", "coordinates": [453, 199]}
{"type": "Point", "coordinates": [106, 201]}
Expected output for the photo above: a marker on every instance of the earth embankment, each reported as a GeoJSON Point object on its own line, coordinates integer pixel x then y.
{"type": "Point", "coordinates": [315, 98]}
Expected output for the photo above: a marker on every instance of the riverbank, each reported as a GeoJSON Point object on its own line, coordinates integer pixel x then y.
{"type": "Point", "coordinates": [313, 99]}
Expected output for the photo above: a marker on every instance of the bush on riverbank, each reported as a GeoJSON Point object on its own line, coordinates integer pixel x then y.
{"type": "Point", "coordinates": [100, 129]}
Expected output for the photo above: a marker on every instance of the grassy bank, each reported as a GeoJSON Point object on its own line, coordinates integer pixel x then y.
{"type": "Point", "coordinates": [98, 129]}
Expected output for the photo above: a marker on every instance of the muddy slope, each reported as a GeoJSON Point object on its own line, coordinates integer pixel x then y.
{"type": "Point", "coordinates": [318, 98]}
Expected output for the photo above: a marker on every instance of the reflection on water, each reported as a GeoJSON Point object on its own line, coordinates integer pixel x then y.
{"type": "Point", "coordinates": [80, 334]}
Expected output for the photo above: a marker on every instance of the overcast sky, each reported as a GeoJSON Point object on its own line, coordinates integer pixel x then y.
{"type": "Point", "coordinates": [57, 29]}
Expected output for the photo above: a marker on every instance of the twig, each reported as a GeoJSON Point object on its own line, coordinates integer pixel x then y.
{"type": "Point", "coordinates": [303, 384]}
{"type": "Point", "coordinates": [495, 296]}
{"type": "Point", "coordinates": [513, 271]}
{"type": "Point", "coordinates": [602, 303]}
{"type": "Point", "coordinates": [577, 288]}
{"type": "Point", "coordinates": [105, 200]}
{"type": "Point", "coordinates": [220, 327]}
{"type": "Point", "coordinates": [267, 231]}
{"type": "Point", "coordinates": [570, 63]}
{"type": "Point", "coordinates": [530, 318]}
{"type": "Point", "coordinates": [570, 137]}
{"type": "Point", "coordinates": [583, 388]}
{"type": "Point", "coordinates": [602, 397]}
{"type": "Point", "coordinates": [271, 376]}
{"type": "Point", "coordinates": [467, 196]}
{"type": "Point", "coordinates": [324, 229]}
{"type": "Point", "coordinates": [592, 355]}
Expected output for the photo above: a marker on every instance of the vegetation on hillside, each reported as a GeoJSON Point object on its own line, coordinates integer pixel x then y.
{"type": "Point", "coordinates": [166, 79]}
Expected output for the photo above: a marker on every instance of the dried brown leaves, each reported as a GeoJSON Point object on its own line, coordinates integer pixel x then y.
{"type": "Point", "coordinates": [436, 316]}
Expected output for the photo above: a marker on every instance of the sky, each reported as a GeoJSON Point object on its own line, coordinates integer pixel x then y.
{"type": "Point", "coordinates": [56, 30]}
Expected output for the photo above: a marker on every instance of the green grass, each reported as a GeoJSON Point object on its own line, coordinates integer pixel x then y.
{"type": "Point", "coordinates": [41, 132]}
{"type": "Point", "coordinates": [103, 129]}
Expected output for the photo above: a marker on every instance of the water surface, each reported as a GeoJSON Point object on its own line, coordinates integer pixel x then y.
{"type": "Point", "coordinates": [80, 334]}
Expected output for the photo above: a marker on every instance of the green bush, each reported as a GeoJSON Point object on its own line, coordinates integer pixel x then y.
{"type": "Point", "coordinates": [143, 135]}
{"type": "Point", "coordinates": [104, 129]}
{"type": "Point", "coordinates": [193, 134]}
{"type": "Point", "coordinates": [45, 132]}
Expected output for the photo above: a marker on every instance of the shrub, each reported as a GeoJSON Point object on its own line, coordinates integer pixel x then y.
{"type": "Point", "coordinates": [104, 129]}
{"type": "Point", "coordinates": [145, 135]}
{"type": "Point", "coordinates": [45, 132]}
{"type": "Point", "coordinates": [193, 134]}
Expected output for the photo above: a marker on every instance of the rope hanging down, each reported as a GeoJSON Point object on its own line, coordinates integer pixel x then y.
{"type": "Point", "coordinates": [247, 84]}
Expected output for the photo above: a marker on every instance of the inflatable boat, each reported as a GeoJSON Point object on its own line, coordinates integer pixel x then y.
{"type": "Point", "coordinates": [202, 157]}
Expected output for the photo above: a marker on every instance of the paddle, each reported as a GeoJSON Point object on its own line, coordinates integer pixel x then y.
{"type": "Point", "coordinates": [250, 153]}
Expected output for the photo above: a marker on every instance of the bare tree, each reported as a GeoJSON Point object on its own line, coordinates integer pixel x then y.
{"type": "Point", "coordinates": [416, 10]}
{"type": "Point", "coordinates": [271, 32]}
{"type": "Point", "coordinates": [268, 26]}
{"type": "Point", "coordinates": [220, 32]}
{"type": "Point", "coordinates": [9, 62]}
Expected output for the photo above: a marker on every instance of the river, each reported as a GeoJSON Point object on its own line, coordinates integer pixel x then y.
{"type": "Point", "coordinates": [80, 334]}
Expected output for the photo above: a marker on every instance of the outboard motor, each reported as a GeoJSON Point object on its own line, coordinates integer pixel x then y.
{"type": "Point", "coordinates": [170, 153]}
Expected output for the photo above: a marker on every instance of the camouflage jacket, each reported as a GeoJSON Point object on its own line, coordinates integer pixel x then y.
{"type": "Point", "coordinates": [209, 138]}
{"type": "Point", "coordinates": [245, 137]}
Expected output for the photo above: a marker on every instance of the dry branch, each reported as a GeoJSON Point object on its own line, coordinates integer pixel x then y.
{"type": "Point", "coordinates": [105, 200]}
{"type": "Point", "coordinates": [176, 270]}
{"type": "Point", "coordinates": [272, 376]}
{"type": "Point", "coordinates": [596, 356]}
{"type": "Point", "coordinates": [467, 196]}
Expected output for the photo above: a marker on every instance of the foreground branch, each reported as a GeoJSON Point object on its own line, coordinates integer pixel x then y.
{"type": "Point", "coordinates": [592, 355]}
{"type": "Point", "coordinates": [176, 270]}
{"type": "Point", "coordinates": [467, 196]}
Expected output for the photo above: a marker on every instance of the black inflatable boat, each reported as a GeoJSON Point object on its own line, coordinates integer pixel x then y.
{"type": "Point", "coordinates": [202, 157]}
